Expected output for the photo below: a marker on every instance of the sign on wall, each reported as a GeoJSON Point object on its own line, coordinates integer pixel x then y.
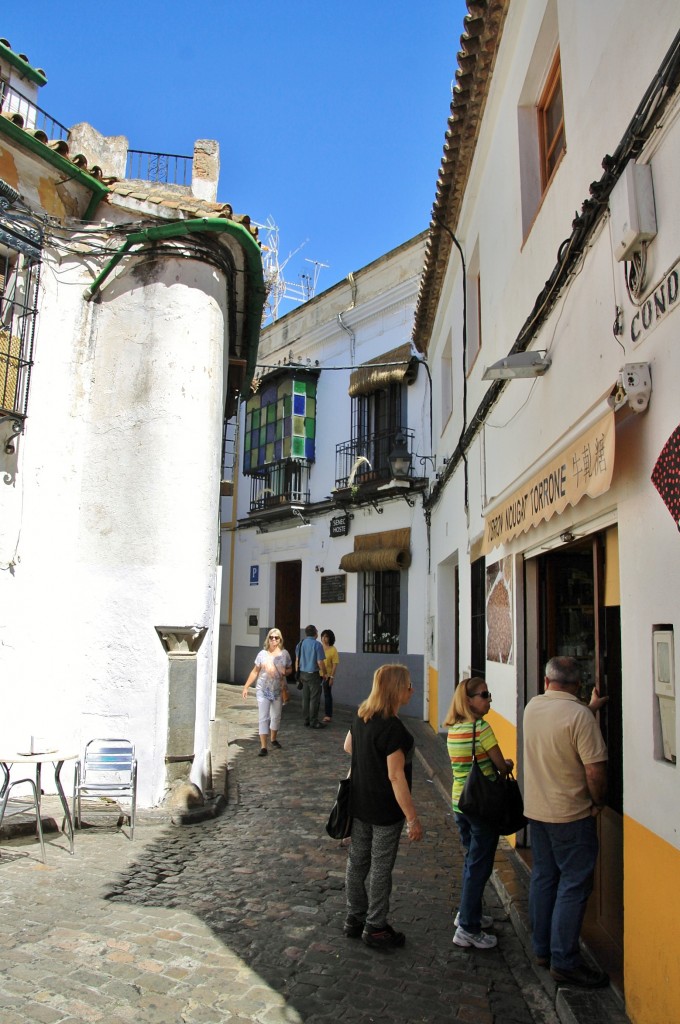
{"type": "Point", "coordinates": [254, 575]}
{"type": "Point", "coordinates": [339, 526]}
{"type": "Point", "coordinates": [333, 589]}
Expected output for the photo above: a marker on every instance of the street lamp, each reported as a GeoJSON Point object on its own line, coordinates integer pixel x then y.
{"type": "Point", "coordinates": [400, 458]}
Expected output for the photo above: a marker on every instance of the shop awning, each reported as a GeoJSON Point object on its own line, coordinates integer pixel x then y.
{"type": "Point", "coordinates": [398, 366]}
{"type": "Point", "coordinates": [583, 468]}
{"type": "Point", "coordinates": [390, 549]}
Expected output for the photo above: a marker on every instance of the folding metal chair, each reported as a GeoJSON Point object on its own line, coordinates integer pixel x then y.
{"type": "Point", "coordinates": [108, 769]}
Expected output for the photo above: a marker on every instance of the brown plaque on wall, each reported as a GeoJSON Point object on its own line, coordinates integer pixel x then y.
{"type": "Point", "coordinates": [333, 589]}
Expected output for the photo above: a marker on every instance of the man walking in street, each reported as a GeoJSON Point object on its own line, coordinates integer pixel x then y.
{"type": "Point", "coordinates": [565, 784]}
{"type": "Point", "coordinates": [310, 662]}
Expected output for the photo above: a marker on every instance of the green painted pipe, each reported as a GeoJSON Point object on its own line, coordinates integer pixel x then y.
{"type": "Point", "coordinates": [176, 229]}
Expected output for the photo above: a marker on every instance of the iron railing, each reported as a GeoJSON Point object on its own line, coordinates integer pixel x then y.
{"type": "Point", "coordinates": [365, 460]}
{"type": "Point", "coordinates": [34, 117]}
{"type": "Point", "coordinates": [167, 168]}
{"type": "Point", "coordinates": [280, 483]}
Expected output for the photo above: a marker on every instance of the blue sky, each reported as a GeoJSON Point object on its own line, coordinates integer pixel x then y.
{"type": "Point", "coordinates": [330, 115]}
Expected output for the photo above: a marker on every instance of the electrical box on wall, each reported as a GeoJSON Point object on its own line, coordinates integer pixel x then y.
{"type": "Point", "coordinates": [633, 215]}
{"type": "Point", "coordinates": [253, 620]}
{"type": "Point", "coordinates": [664, 688]}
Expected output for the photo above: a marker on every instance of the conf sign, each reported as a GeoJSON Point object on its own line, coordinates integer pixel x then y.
{"type": "Point", "coordinates": [584, 467]}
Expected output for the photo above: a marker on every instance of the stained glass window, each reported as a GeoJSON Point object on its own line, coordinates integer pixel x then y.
{"type": "Point", "coordinates": [280, 421]}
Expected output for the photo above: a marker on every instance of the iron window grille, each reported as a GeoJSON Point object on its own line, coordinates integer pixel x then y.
{"type": "Point", "coordinates": [20, 242]}
{"type": "Point", "coordinates": [381, 593]}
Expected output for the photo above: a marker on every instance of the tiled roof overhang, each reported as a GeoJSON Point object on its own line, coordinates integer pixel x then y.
{"type": "Point", "coordinates": [476, 58]}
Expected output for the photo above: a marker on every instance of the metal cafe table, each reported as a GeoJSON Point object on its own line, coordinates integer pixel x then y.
{"type": "Point", "coordinates": [37, 760]}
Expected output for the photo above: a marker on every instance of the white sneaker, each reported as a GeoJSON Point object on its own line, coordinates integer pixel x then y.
{"type": "Point", "coordinates": [487, 920]}
{"type": "Point", "coordinates": [481, 940]}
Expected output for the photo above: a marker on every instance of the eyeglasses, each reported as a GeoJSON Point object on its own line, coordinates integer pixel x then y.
{"type": "Point", "coordinates": [484, 694]}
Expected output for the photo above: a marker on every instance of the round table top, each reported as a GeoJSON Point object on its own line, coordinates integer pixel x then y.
{"type": "Point", "coordinates": [38, 757]}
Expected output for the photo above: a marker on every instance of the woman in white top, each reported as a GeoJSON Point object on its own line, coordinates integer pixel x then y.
{"type": "Point", "coordinates": [272, 666]}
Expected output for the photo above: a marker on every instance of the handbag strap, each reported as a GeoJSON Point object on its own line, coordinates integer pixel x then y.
{"type": "Point", "coordinates": [474, 739]}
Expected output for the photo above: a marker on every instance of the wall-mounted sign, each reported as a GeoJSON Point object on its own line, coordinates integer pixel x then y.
{"type": "Point", "coordinates": [340, 526]}
{"type": "Point", "coordinates": [254, 575]}
{"type": "Point", "coordinates": [333, 589]}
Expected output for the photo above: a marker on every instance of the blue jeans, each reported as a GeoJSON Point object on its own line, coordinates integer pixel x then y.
{"type": "Point", "coordinates": [480, 844]}
{"type": "Point", "coordinates": [564, 857]}
{"type": "Point", "coordinates": [327, 698]}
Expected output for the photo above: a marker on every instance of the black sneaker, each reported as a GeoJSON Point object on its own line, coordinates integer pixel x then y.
{"type": "Point", "coordinates": [318, 725]}
{"type": "Point", "coordinates": [275, 743]}
{"type": "Point", "coordinates": [382, 938]}
{"type": "Point", "coordinates": [353, 927]}
{"type": "Point", "coordinates": [582, 977]}
{"type": "Point", "coordinates": [262, 752]}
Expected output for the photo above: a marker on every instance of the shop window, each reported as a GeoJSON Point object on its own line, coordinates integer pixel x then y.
{"type": "Point", "coordinates": [381, 600]}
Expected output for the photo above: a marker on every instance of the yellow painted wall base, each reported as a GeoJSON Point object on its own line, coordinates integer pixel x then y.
{"type": "Point", "coordinates": [651, 898]}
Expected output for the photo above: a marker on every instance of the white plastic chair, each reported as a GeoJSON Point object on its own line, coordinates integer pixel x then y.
{"type": "Point", "coordinates": [108, 769]}
{"type": "Point", "coordinates": [8, 807]}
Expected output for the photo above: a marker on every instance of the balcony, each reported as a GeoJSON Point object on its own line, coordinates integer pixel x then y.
{"type": "Point", "coordinates": [34, 118]}
{"type": "Point", "coordinates": [280, 485]}
{"type": "Point", "coordinates": [166, 168]}
{"type": "Point", "coordinates": [363, 463]}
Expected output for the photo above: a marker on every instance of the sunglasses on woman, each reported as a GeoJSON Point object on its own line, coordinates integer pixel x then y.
{"type": "Point", "coordinates": [484, 694]}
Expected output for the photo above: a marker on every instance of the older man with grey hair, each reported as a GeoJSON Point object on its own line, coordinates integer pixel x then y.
{"type": "Point", "coordinates": [565, 784]}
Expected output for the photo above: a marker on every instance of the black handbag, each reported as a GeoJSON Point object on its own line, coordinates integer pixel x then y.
{"type": "Point", "coordinates": [496, 800]}
{"type": "Point", "coordinates": [339, 824]}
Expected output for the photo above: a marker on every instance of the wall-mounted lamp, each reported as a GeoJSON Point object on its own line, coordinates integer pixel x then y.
{"type": "Point", "coordinates": [518, 364]}
{"type": "Point", "coordinates": [400, 458]}
{"type": "Point", "coordinates": [567, 536]}
{"type": "Point", "coordinates": [298, 510]}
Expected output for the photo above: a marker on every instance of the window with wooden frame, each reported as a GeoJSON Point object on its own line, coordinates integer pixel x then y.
{"type": "Point", "coordinates": [551, 137]}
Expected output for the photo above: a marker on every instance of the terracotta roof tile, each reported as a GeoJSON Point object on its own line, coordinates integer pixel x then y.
{"type": "Point", "coordinates": [478, 48]}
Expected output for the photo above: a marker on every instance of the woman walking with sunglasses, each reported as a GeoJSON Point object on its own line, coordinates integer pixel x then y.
{"type": "Point", "coordinates": [272, 665]}
{"type": "Point", "coordinates": [465, 719]}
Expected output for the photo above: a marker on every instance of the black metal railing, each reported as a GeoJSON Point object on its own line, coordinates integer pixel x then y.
{"type": "Point", "coordinates": [167, 168]}
{"type": "Point", "coordinates": [365, 460]}
{"type": "Point", "coordinates": [280, 484]}
{"type": "Point", "coordinates": [34, 117]}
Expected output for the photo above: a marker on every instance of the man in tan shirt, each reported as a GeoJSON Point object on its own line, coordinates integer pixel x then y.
{"type": "Point", "coordinates": [565, 784]}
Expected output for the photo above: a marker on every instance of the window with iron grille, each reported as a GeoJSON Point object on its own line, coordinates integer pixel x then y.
{"type": "Point", "coordinates": [381, 611]}
{"type": "Point", "coordinates": [19, 275]}
{"type": "Point", "coordinates": [478, 618]}
{"type": "Point", "coordinates": [376, 421]}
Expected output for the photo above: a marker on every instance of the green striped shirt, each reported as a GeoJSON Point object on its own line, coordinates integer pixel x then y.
{"type": "Point", "coordinates": [459, 743]}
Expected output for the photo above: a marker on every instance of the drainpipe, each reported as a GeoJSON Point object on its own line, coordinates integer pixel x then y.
{"type": "Point", "coordinates": [251, 249]}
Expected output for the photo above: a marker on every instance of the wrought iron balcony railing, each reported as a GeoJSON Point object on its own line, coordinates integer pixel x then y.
{"type": "Point", "coordinates": [34, 117]}
{"type": "Point", "coordinates": [365, 460]}
{"type": "Point", "coordinates": [167, 168]}
{"type": "Point", "coordinates": [279, 484]}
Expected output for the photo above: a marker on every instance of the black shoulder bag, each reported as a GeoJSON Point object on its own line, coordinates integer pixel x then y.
{"type": "Point", "coordinates": [496, 800]}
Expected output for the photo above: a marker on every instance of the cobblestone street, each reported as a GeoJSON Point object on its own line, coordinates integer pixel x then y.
{"type": "Point", "coordinates": [239, 918]}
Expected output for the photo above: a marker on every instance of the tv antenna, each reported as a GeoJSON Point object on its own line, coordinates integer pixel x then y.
{"type": "Point", "coordinates": [277, 286]}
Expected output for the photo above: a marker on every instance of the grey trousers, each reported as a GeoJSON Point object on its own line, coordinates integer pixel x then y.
{"type": "Point", "coordinates": [311, 696]}
{"type": "Point", "coordinates": [368, 880]}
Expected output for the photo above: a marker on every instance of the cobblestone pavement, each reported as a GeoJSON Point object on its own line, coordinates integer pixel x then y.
{"type": "Point", "coordinates": [239, 918]}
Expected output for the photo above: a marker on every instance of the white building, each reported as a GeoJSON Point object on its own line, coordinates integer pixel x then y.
{"type": "Point", "coordinates": [554, 526]}
{"type": "Point", "coordinates": [129, 319]}
{"type": "Point", "coordinates": [319, 531]}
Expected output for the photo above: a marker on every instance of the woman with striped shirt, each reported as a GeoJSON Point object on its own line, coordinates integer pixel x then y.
{"type": "Point", "coordinates": [470, 703]}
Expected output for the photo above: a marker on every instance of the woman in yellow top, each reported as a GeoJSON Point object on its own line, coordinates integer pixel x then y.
{"type": "Point", "coordinates": [470, 703]}
{"type": "Point", "coordinates": [332, 661]}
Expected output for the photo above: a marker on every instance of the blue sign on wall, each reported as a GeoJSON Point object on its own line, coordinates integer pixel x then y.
{"type": "Point", "coordinates": [254, 575]}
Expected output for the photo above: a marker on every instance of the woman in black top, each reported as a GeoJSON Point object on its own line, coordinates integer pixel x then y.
{"type": "Point", "coordinates": [382, 750]}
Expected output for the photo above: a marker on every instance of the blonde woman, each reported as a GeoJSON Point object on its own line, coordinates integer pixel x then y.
{"type": "Point", "coordinates": [272, 666]}
{"type": "Point", "coordinates": [382, 751]}
{"type": "Point", "coordinates": [470, 703]}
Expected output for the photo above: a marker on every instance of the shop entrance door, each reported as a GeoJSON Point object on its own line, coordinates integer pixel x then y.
{"type": "Point", "coordinates": [287, 604]}
{"type": "Point", "coordinates": [579, 616]}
